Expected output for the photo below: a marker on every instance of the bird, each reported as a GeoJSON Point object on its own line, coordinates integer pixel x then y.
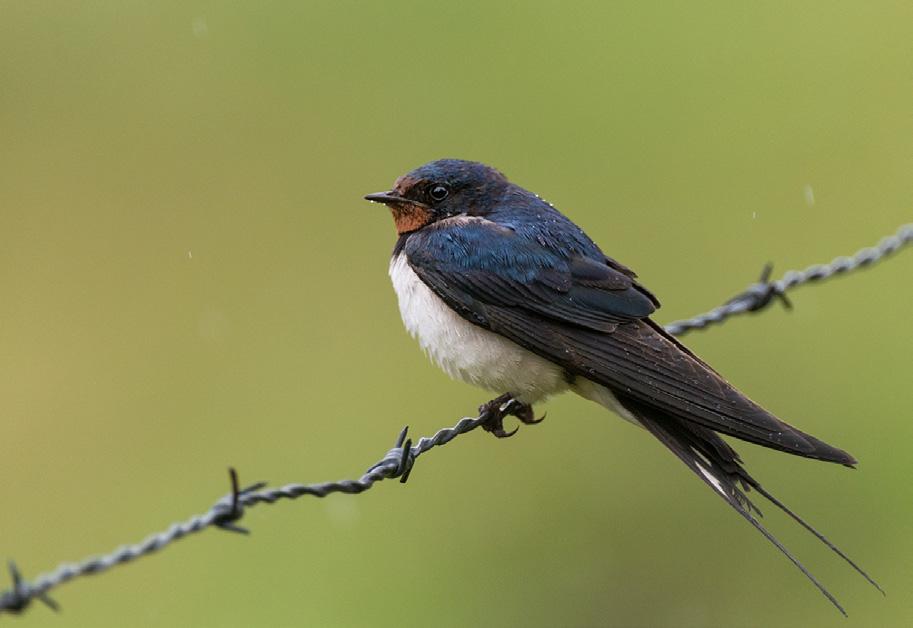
{"type": "Point", "coordinates": [503, 291]}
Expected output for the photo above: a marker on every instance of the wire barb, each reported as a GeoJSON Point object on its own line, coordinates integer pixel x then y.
{"type": "Point", "coordinates": [229, 509]}
{"type": "Point", "coordinates": [399, 461]}
{"type": "Point", "coordinates": [18, 598]}
{"type": "Point", "coordinates": [759, 295]}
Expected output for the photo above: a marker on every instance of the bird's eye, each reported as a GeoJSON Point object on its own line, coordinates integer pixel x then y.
{"type": "Point", "coordinates": [439, 192]}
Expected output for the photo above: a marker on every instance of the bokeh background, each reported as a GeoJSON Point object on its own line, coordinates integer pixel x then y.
{"type": "Point", "coordinates": [190, 279]}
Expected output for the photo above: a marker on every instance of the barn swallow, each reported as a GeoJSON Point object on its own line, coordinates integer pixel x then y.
{"type": "Point", "coordinates": [503, 291]}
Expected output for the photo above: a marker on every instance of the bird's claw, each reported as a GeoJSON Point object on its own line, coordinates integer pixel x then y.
{"type": "Point", "coordinates": [494, 411]}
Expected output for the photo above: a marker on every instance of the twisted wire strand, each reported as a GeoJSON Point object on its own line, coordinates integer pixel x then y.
{"type": "Point", "coordinates": [398, 461]}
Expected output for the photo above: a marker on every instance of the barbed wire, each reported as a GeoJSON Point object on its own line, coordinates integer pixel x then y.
{"type": "Point", "coordinates": [759, 295]}
{"type": "Point", "coordinates": [398, 461]}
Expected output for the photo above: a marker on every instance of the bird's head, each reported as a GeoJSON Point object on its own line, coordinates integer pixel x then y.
{"type": "Point", "coordinates": [441, 189]}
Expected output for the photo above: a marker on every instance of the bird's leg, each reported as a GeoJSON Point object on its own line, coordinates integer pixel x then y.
{"type": "Point", "coordinates": [495, 410]}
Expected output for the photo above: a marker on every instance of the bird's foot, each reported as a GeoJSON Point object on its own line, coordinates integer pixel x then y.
{"type": "Point", "coordinates": [495, 410]}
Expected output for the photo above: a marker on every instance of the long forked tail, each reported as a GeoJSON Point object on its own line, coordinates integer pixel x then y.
{"type": "Point", "coordinates": [719, 466]}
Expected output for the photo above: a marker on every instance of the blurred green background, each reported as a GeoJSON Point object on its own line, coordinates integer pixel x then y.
{"type": "Point", "coordinates": [190, 279]}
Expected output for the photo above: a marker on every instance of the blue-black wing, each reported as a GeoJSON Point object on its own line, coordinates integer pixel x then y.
{"type": "Point", "coordinates": [588, 314]}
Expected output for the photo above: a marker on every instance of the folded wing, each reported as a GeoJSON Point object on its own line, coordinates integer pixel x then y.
{"type": "Point", "coordinates": [590, 316]}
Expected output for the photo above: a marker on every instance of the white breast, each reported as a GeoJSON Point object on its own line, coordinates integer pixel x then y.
{"type": "Point", "coordinates": [468, 352]}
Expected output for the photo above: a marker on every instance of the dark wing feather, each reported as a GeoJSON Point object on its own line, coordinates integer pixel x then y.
{"type": "Point", "coordinates": [590, 317]}
{"type": "Point", "coordinates": [578, 291]}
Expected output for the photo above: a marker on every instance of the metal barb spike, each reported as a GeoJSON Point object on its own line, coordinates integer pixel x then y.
{"type": "Point", "coordinates": [406, 461]}
{"type": "Point", "coordinates": [234, 510]}
{"type": "Point", "coordinates": [48, 601]}
{"type": "Point", "coordinates": [18, 598]}
{"type": "Point", "coordinates": [15, 574]}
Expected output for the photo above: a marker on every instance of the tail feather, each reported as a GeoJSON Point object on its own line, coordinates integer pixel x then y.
{"type": "Point", "coordinates": [776, 502]}
{"type": "Point", "coordinates": [719, 466]}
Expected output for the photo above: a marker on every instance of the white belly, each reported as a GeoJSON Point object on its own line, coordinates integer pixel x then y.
{"type": "Point", "coordinates": [589, 389]}
{"type": "Point", "coordinates": [468, 352]}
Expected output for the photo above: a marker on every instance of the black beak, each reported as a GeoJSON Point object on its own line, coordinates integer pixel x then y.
{"type": "Point", "coordinates": [385, 197]}
{"type": "Point", "coordinates": [388, 198]}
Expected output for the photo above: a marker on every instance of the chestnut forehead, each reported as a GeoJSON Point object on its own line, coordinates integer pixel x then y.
{"type": "Point", "coordinates": [406, 182]}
